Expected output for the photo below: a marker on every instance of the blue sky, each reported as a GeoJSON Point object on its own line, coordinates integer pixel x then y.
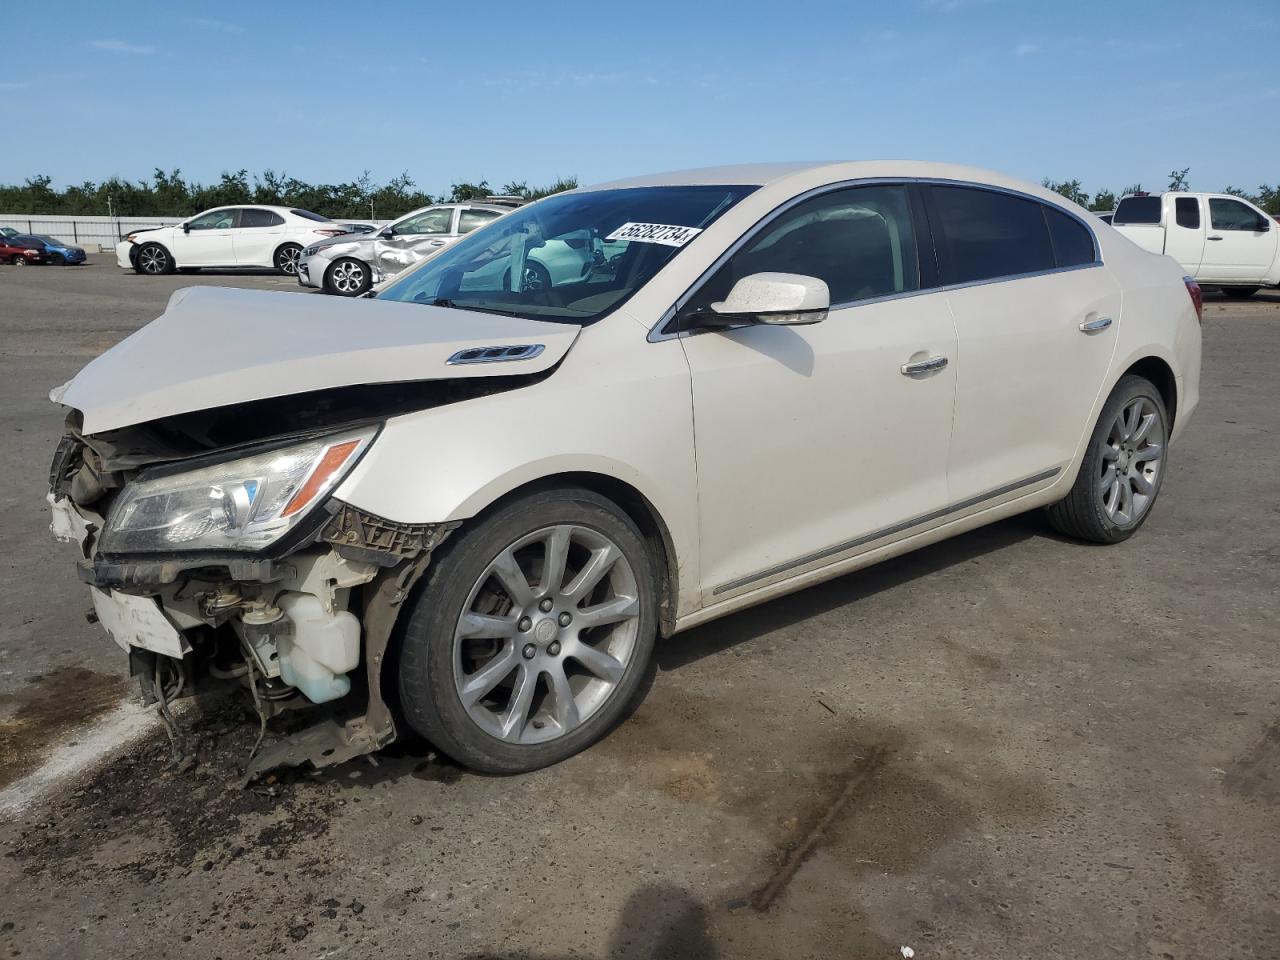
{"type": "Point", "coordinates": [1112, 93]}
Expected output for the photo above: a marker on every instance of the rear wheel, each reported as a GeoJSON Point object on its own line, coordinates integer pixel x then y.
{"type": "Point", "coordinates": [287, 258]}
{"type": "Point", "coordinates": [1123, 469]}
{"type": "Point", "coordinates": [348, 278]}
{"type": "Point", "coordinates": [19, 260]}
{"type": "Point", "coordinates": [153, 260]}
{"type": "Point", "coordinates": [532, 635]}
{"type": "Point", "coordinates": [1239, 293]}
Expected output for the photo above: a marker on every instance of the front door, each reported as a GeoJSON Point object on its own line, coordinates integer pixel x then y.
{"type": "Point", "coordinates": [208, 240]}
{"type": "Point", "coordinates": [1241, 245]}
{"type": "Point", "coordinates": [413, 239]}
{"type": "Point", "coordinates": [815, 443]}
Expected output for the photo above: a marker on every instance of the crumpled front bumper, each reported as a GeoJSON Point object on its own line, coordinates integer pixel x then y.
{"type": "Point", "coordinates": [294, 630]}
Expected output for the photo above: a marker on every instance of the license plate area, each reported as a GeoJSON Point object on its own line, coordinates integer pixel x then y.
{"type": "Point", "coordinates": [138, 622]}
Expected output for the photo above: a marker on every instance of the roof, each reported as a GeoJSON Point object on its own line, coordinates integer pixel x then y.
{"type": "Point", "coordinates": [762, 174]}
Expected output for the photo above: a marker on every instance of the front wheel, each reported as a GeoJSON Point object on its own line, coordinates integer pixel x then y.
{"type": "Point", "coordinates": [58, 260]}
{"type": "Point", "coordinates": [348, 278]}
{"type": "Point", "coordinates": [1123, 468]}
{"type": "Point", "coordinates": [287, 259]}
{"type": "Point", "coordinates": [19, 260]}
{"type": "Point", "coordinates": [533, 632]}
{"type": "Point", "coordinates": [153, 260]}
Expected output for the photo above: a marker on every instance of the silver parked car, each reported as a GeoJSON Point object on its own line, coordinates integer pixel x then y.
{"type": "Point", "coordinates": [348, 266]}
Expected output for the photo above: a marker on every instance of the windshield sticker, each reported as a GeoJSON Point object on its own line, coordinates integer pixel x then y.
{"type": "Point", "coordinates": [665, 234]}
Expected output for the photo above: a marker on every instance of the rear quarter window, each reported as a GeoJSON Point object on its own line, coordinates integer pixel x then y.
{"type": "Point", "coordinates": [1137, 210]}
{"type": "Point", "coordinates": [1072, 240]}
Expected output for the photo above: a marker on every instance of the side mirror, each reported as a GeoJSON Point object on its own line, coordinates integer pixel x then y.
{"type": "Point", "coordinates": [387, 232]}
{"type": "Point", "coordinates": [781, 299]}
{"type": "Point", "coordinates": [186, 228]}
{"type": "Point", "coordinates": [1263, 226]}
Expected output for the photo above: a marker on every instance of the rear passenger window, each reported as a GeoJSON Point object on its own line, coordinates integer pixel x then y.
{"type": "Point", "coordinates": [982, 235]}
{"type": "Point", "coordinates": [259, 218]}
{"type": "Point", "coordinates": [859, 241]}
{"type": "Point", "coordinates": [1071, 239]}
{"type": "Point", "coordinates": [1186, 211]}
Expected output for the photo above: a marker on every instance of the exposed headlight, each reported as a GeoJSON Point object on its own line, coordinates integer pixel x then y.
{"type": "Point", "coordinates": [240, 505]}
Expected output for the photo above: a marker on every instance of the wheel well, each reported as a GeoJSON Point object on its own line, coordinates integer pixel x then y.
{"type": "Point", "coordinates": [1160, 374]}
{"type": "Point", "coordinates": [642, 513]}
{"type": "Point", "coordinates": [287, 243]}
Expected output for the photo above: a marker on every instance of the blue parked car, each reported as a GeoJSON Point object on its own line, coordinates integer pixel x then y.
{"type": "Point", "coordinates": [56, 251]}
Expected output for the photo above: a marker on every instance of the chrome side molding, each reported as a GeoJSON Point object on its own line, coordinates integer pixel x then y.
{"type": "Point", "coordinates": [839, 548]}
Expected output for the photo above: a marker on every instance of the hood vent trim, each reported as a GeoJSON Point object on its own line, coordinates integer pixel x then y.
{"type": "Point", "coordinates": [501, 354]}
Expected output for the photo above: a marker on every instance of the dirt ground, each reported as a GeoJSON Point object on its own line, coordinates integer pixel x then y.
{"type": "Point", "coordinates": [1007, 745]}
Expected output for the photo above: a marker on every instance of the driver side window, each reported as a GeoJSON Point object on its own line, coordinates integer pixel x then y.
{"type": "Point", "coordinates": [214, 220]}
{"type": "Point", "coordinates": [859, 240]}
{"type": "Point", "coordinates": [435, 221]}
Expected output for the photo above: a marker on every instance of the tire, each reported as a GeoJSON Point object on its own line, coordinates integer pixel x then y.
{"type": "Point", "coordinates": [1239, 293]}
{"type": "Point", "coordinates": [1102, 511]}
{"type": "Point", "coordinates": [348, 277]}
{"type": "Point", "coordinates": [286, 259]}
{"type": "Point", "coordinates": [536, 277]}
{"type": "Point", "coordinates": [562, 713]}
{"type": "Point", "coordinates": [153, 260]}
{"type": "Point", "coordinates": [18, 260]}
{"type": "Point", "coordinates": [58, 260]}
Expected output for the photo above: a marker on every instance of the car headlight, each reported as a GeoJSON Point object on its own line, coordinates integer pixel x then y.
{"type": "Point", "coordinates": [240, 505]}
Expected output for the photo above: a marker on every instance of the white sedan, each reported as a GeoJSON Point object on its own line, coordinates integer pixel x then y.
{"type": "Point", "coordinates": [493, 495]}
{"type": "Point", "coordinates": [240, 236]}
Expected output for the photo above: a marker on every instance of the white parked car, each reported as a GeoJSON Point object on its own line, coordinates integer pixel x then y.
{"type": "Point", "coordinates": [493, 496]}
{"type": "Point", "coordinates": [1221, 240]}
{"type": "Point", "coordinates": [348, 266]}
{"type": "Point", "coordinates": [239, 236]}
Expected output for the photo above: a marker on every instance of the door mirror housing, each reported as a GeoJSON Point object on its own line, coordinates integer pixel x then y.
{"type": "Point", "coordinates": [186, 227]}
{"type": "Point", "coordinates": [774, 299]}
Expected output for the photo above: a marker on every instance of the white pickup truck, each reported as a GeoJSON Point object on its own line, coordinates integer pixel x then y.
{"type": "Point", "coordinates": [1222, 241]}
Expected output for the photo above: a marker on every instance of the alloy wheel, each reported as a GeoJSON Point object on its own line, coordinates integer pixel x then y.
{"type": "Point", "coordinates": [546, 634]}
{"type": "Point", "coordinates": [289, 258]}
{"type": "Point", "coordinates": [1132, 457]}
{"type": "Point", "coordinates": [347, 277]}
{"type": "Point", "coordinates": [153, 260]}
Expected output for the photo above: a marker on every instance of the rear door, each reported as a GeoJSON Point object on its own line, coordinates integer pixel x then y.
{"type": "Point", "coordinates": [1241, 244]}
{"type": "Point", "coordinates": [1036, 316]}
{"type": "Point", "coordinates": [257, 236]}
{"type": "Point", "coordinates": [1185, 231]}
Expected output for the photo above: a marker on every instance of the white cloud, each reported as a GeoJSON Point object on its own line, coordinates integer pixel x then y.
{"type": "Point", "coordinates": [1025, 49]}
{"type": "Point", "coordinates": [208, 23]}
{"type": "Point", "coordinates": [119, 46]}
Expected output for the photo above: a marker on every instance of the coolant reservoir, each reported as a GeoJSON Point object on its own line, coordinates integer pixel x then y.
{"type": "Point", "coordinates": [323, 648]}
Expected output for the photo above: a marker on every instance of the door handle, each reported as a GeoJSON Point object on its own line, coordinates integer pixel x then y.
{"type": "Point", "coordinates": [1093, 326]}
{"type": "Point", "coordinates": [923, 366]}
{"type": "Point", "coordinates": [1215, 238]}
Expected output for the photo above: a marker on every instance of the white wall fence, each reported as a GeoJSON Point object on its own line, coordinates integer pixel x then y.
{"type": "Point", "coordinates": [85, 231]}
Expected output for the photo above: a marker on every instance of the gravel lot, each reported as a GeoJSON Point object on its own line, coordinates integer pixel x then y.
{"type": "Point", "coordinates": [1006, 745]}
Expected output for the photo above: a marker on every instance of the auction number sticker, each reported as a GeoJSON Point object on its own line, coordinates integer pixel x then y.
{"type": "Point", "coordinates": [663, 233]}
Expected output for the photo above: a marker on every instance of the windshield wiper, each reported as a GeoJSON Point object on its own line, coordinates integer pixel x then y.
{"type": "Point", "coordinates": [474, 308]}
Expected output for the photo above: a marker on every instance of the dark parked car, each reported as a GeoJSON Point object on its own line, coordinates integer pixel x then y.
{"type": "Point", "coordinates": [55, 251]}
{"type": "Point", "coordinates": [14, 250]}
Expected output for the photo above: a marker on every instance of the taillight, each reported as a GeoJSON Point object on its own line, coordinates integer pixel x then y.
{"type": "Point", "coordinates": [329, 233]}
{"type": "Point", "coordinates": [1197, 297]}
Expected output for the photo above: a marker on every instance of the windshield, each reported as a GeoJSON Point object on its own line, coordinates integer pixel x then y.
{"type": "Point", "coordinates": [570, 258]}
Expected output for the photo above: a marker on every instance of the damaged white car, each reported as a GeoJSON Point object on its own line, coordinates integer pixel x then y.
{"type": "Point", "coordinates": [470, 505]}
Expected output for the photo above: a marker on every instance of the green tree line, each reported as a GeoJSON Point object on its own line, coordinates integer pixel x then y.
{"type": "Point", "coordinates": [1266, 197]}
{"type": "Point", "coordinates": [170, 195]}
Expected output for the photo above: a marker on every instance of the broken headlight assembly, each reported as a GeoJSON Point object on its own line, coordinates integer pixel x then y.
{"type": "Point", "coordinates": [238, 505]}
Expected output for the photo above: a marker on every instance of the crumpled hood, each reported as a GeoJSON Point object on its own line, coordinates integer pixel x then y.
{"type": "Point", "coordinates": [216, 346]}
